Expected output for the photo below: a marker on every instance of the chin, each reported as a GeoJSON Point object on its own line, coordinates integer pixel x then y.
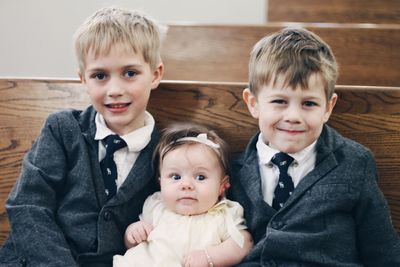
{"type": "Point", "coordinates": [186, 212]}
{"type": "Point", "coordinates": [291, 149]}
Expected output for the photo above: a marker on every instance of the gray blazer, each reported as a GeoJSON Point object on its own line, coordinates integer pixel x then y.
{"type": "Point", "coordinates": [58, 210]}
{"type": "Point", "coordinates": [336, 216]}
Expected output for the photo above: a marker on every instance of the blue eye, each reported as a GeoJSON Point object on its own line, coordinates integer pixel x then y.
{"type": "Point", "coordinates": [310, 103]}
{"type": "Point", "coordinates": [175, 177]}
{"type": "Point", "coordinates": [99, 76]}
{"type": "Point", "coordinates": [131, 73]}
{"type": "Point", "coordinates": [200, 177]}
{"type": "Point", "coordinates": [278, 101]}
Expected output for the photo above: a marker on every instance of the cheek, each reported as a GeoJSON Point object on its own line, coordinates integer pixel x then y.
{"type": "Point", "coordinates": [94, 91]}
{"type": "Point", "coordinates": [268, 119]}
{"type": "Point", "coordinates": [165, 189]}
{"type": "Point", "coordinates": [316, 120]}
{"type": "Point", "coordinates": [214, 192]}
{"type": "Point", "coordinates": [166, 196]}
{"type": "Point", "coordinates": [316, 124]}
{"type": "Point", "coordinates": [141, 94]}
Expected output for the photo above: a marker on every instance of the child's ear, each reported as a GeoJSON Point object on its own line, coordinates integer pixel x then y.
{"type": "Point", "coordinates": [224, 185]}
{"type": "Point", "coordinates": [251, 102]}
{"type": "Point", "coordinates": [157, 75]}
{"type": "Point", "coordinates": [329, 107]}
{"type": "Point", "coordinates": [81, 77]}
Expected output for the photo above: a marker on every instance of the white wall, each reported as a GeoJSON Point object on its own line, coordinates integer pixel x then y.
{"type": "Point", "coordinates": [36, 35]}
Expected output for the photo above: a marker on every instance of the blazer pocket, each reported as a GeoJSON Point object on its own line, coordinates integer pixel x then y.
{"type": "Point", "coordinates": [330, 191]}
{"type": "Point", "coordinates": [323, 203]}
{"type": "Point", "coordinates": [333, 197]}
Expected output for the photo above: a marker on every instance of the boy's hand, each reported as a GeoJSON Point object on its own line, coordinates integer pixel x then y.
{"type": "Point", "coordinates": [136, 233]}
{"type": "Point", "coordinates": [195, 258]}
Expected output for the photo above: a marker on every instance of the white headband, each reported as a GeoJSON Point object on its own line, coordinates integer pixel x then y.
{"type": "Point", "coordinates": [201, 138]}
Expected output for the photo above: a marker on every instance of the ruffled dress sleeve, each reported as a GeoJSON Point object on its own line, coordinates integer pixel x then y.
{"type": "Point", "coordinates": [233, 218]}
{"type": "Point", "coordinates": [151, 209]}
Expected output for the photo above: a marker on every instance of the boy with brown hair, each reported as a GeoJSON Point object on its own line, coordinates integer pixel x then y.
{"type": "Point", "coordinates": [310, 196]}
{"type": "Point", "coordinates": [89, 172]}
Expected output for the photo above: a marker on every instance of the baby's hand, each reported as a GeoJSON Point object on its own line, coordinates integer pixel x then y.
{"type": "Point", "coordinates": [136, 233]}
{"type": "Point", "coordinates": [195, 258]}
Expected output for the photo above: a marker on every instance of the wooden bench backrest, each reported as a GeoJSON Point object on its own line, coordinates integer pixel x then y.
{"type": "Point", "coordinates": [369, 115]}
{"type": "Point", "coordinates": [367, 55]}
{"type": "Point", "coordinates": [343, 11]}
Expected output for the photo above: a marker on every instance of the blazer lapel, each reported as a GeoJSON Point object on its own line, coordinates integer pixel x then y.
{"type": "Point", "coordinates": [97, 175]}
{"type": "Point", "coordinates": [326, 161]}
{"type": "Point", "coordinates": [250, 178]}
{"type": "Point", "coordinates": [141, 173]}
{"type": "Point", "coordinates": [87, 120]}
{"type": "Point", "coordinates": [257, 212]}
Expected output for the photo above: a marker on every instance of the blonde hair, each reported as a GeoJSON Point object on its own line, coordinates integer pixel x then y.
{"type": "Point", "coordinates": [109, 26]}
{"type": "Point", "coordinates": [174, 137]}
{"type": "Point", "coordinates": [296, 53]}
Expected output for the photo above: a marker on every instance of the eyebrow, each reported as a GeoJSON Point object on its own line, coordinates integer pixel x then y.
{"type": "Point", "coordinates": [313, 97]}
{"type": "Point", "coordinates": [134, 66]}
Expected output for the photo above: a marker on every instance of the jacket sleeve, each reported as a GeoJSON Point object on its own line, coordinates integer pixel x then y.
{"type": "Point", "coordinates": [378, 242]}
{"type": "Point", "coordinates": [32, 203]}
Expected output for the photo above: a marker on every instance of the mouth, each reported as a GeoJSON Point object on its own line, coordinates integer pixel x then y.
{"type": "Point", "coordinates": [291, 131]}
{"type": "Point", "coordinates": [187, 200]}
{"type": "Point", "coordinates": [117, 107]}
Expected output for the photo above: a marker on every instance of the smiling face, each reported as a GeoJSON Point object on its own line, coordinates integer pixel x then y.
{"type": "Point", "coordinates": [290, 119]}
{"type": "Point", "coordinates": [119, 85]}
{"type": "Point", "coordinates": [191, 179]}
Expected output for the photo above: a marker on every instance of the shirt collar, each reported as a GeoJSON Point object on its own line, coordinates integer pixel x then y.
{"type": "Point", "coordinates": [135, 140]}
{"type": "Point", "coordinates": [265, 152]}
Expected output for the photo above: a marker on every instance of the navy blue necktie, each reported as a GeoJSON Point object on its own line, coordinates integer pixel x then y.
{"type": "Point", "coordinates": [285, 185]}
{"type": "Point", "coordinates": [107, 165]}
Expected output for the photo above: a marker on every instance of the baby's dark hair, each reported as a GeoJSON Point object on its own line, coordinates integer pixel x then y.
{"type": "Point", "coordinates": [171, 139]}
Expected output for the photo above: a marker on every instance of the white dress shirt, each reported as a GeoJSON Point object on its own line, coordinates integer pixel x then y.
{"type": "Point", "coordinates": [304, 162]}
{"type": "Point", "coordinates": [125, 158]}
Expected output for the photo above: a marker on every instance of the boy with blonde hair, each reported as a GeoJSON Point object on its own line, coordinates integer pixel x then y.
{"type": "Point", "coordinates": [89, 172]}
{"type": "Point", "coordinates": [310, 196]}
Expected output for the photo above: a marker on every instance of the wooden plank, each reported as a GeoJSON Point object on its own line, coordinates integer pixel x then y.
{"type": "Point", "coordinates": [367, 55]}
{"type": "Point", "coordinates": [369, 115]}
{"type": "Point", "coordinates": [342, 11]}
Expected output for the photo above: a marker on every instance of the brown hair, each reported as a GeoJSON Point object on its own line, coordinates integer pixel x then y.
{"type": "Point", "coordinates": [170, 140]}
{"type": "Point", "coordinates": [296, 53]}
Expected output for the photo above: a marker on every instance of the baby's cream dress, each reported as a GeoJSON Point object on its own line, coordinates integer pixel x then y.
{"type": "Point", "coordinates": [174, 235]}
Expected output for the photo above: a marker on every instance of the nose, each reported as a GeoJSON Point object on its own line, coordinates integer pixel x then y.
{"type": "Point", "coordinates": [186, 184]}
{"type": "Point", "coordinates": [114, 88]}
{"type": "Point", "coordinates": [293, 114]}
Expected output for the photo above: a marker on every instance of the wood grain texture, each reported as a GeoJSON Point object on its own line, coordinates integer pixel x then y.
{"type": "Point", "coordinates": [367, 55]}
{"type": "Point", "coordinates": [369, 115]}
{"type": "Point", "coordinates": [342, 11]}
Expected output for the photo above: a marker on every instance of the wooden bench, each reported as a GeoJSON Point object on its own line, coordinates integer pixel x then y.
{"type": "Point", "coordinates": [343, 11]}
{"type": "Point", "coordinates": [370, 115]}
{"type": "Point", "coordinates": [367, 55]}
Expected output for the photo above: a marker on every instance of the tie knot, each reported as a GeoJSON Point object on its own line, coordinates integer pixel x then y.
{"type": "Point", "coordinates": [282, 160]}
{"type": "Point", "coordinates": [113, 143]}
